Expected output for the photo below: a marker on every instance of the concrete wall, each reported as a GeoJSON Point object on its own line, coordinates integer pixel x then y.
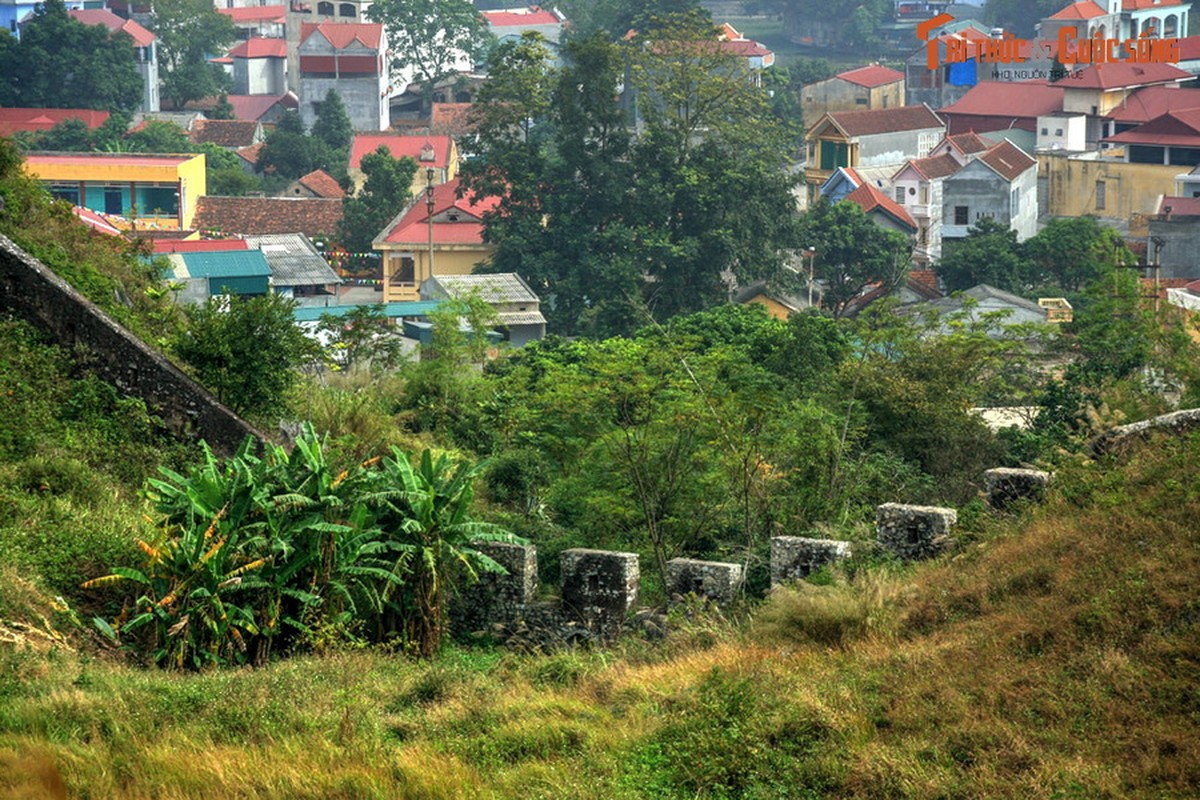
{"type": "Point", "coordinates": [32, 292]}
{"type": "Point", "coordinates": [986, 194]}
{"type": "Point", "coordinates": [1128, 188]}
{"type": "Point", "coordinates": [895, 148]}
{"type": "Point", "coordinates": [259, 76]}
{"type": "Point", "coordinates": [1180, 256]}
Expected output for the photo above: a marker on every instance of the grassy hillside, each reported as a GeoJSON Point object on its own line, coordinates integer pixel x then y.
{"type": "Point", "coordinates": [1054, 655]}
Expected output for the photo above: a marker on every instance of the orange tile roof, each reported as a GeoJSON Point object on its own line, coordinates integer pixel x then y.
{"type": "Point", "coordinates": [1175, 128]}
{"type": "Point", "coordinates": [250, 154]}
{"type": "Point", "coordinates": [343, 34]}
{"type": "Point", "coordinates": [1008, 160]}
{"type": "Point", "coordinates": [102, 16]}
{"type": "Point", "coordinates": [869, 198]}
{"type": "Point", "coordinates": [412, 227]}
{"type": "Point", "coordinates": [224, 132]}
{"type": "Point", "coordinates": [259, 47]}
{"type": "Point", "coordinates": [1082, 10]}
{"type": "Point", "coordinates": [999, 98]}
{"type": "Point", "coordinates": [1153, 101]}
{"type": "Point", "coordinates": [322, 184]}
{"type": "Point", "coordinates": [871, 75]}
{"type": "Point", "coordinates": [935, 167]}
{"type": "Point", "coordinates": [885, 120]}
{"type": "Point", "coordinates": [400, 146]}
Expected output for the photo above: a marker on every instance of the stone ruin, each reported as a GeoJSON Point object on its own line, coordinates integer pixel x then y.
{"type": "Point", "coordinates": [794, 558]}
{"type": "Point", "coordinates": [1005, 486]}
{"type": "Point", "coordinates": [913, 532]}
{"type": "Point", "coordinates": [599, 588]}
{"type": "Point", "coordinates": [713, 580]}
{"type": "Point", "coordinates": [499, 596]}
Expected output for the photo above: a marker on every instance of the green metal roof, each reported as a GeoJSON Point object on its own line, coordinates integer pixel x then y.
{"type": "Point", "coordinates": [417, 308]}
{"type": "Point", "coordinates": [227, 264]}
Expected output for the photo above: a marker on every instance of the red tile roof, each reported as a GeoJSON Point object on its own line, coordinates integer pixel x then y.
{"type": "Point", "coordinates": [1082, 10]}
{"type": "Point", "coordinates": [1180, 206]}
{"type": "Point", "coordinates": [744, 48]}
{"type": "Point", "coordinates": [869, 198]}
{"type": "Point", "coordinates": [935, 167]}
{"type": "Point", "coordinates": [1153, 101]}
{"type": "Point", "coordinates": [926, 278]}
{"type": "Point", "coordinates": [1123, 75]}
{"type": "Point", "coordinates": [43, 119]}
{"type": "Point", "coordinates": [451, 119]}
{"type": "Point", "coordinates": [400, 146]}
{"type": "Point", "coordinates": [344, 34]}
{"type": "Point", "coordinates": [255, 106]}
{"type": "Point", "coordinates": [1008, 160]}
{"type": "Point", "coordinates": [998, 98]}
{"type": "Point", "coordinates": [250, 154]}
{"type": "Point", "coordinates": [198, 245]}
{"type": "Point", "coordinates": [968, 143]}
{"type": "Point", "coordinates": [1178, 128]}
{"type": "Point", "coordinates": [885, 120]}
{"type": "Point", "coordinates": [224, 132]}
{"type": "Point", "coordinates": [256, 216]}
{"type": "Point", "coordinates": [322, 184]}
{"type": "Point", "coordinates": [255, 14]}
{"type": "Point", "coordinates": [258, 47]}
{"type": "Point", "coordinates": [530, 16]}
{"type": "Point", "coordinates": [102, 16]}
{"type": "Point", "coordinates": [1189, 48]}
{"type": "Point", "coordinates": [871, 76]}
{"type": "Point", "coordinates": [413, 225]}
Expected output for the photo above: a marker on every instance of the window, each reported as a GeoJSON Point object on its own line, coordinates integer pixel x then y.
{"type": "Point", "coordinates": [961, 215]}
{"type": "Point", "coordinates": [1058, 131]}
{"type": "Point", "coordinates": [1045, 131]}
{"type": "Point", "coordinates": [347, 10]}
{"type": "Point", "coordinates": [1101, 192]}
{"type": "Point", "coordinates": [923, 235]}
{"type": "Point", "coordinates": [862, 101]}
{"type": "Point", "coordinates": [406, 273]}
{"type": "Point", "coordinates": [325, 8]}
{"type": "Point", "coordinates": [1014, 202]}
{"type": "Point", "coordinates": [114, 201]}
{"type": "Point", "coordinates": [924, 195]}
{"type": "Point", "coordinates": [899, 194]}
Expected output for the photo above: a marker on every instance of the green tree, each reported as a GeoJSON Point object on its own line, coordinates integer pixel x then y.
{"type": "Point", "coordinates": [189, 32]}
{"type": "Point", "coordinates": [1074, 252]}
{"type": "Point", "coordinates": [61, 63]}
{"type": "Point", "coordinates": [159, 137]}
{"type": "Point", "coordinates": [852, 252]}
{"type": "Point", "coordinates": [222, 110]}
{"type": "Point", "coordinates": [290, 153]}
{"type": "Point", "coordinates": [385, 193]}
{"type": "Point", "coordinates": [70, 135]}
{"type": "Point", "coordinates": [427, 36]}
{"type": "Point", "coordinates": [365, 336]}
{"type": "Point", "coordinates": [989, 254]}
{"type": "Point", "coordinates": [247, 350]}
{"type": "Point", "coordinates": [332, 125]}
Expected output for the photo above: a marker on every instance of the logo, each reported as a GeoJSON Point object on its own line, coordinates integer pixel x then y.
{"type": "Point", "coordinates": [1068, 49]}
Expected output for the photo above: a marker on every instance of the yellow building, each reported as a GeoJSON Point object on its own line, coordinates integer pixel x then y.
{"type": "Point", "coordinates": [136, 191]}
{"type": "Point", "coordinates": [438, 153]}
{"type": "Point", "coordinates": [872, 86]}
{"type": "Point", "coordinates": [1088, 184]}
{"type": "Point", "coordinates": [456, 228]}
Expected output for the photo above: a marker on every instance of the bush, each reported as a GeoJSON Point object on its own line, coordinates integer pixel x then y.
{"type": "Point", "coordinates": [833, 614]}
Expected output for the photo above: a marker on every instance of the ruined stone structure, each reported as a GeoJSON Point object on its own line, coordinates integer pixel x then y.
{"type": "Point", "coordinates": [794, 558]}
{"type": "Point", "coordinates": [599, 588]}
{"type": "Point", "coordinates": [498, 596]}
{"type": "Point", "coordinates": [1177, 423]}
{"type": "Point", "coordinates": [30, 291]}
{"type": "Point", "coordinates": [714, 580]}
{"type": "Point", "coordinates": [1005, 486]}
{"type": "Point", "coordinates": [913, 532]}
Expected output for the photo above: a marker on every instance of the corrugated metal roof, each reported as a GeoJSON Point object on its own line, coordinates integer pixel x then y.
{"type": "Point", "coordinates": [227, 264]}
{"type": "Point", "coordinates": [521, 318]}
{"type": "Point", "coordinates": [293, 259]}
{"type": "Point", "coordinates": [419, 308]}
{"type": "Point", "coordinates": [506, 287]}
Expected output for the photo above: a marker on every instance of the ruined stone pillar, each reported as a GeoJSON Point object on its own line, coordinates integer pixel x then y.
{"type": "Point", "coordinates": [794, 558]}
{"type": "Point", "coordinates": [599, 588]}
{"type": "Point", "coordinates": [1005, 486]}
{"type": "Point", "coordinates": [913, 532]}
{"type": "Point", "coordinates": [498, 597]}
{"type": "Point", "coordinates": [714, 580]}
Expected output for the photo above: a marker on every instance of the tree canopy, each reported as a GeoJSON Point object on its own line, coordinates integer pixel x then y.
{"type": "Point", "coordinates": [189, 31]}
{"type": "Point", "coordinates": [61, 63]}
{"type": "Point", "coordinates": [385, 193]}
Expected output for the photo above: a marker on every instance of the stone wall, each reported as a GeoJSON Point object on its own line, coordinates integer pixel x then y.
{"type": "Point", "coordinates": [913, 532]}
{"type": "Point", "coordinates": [32, 292]}
{"type": "Point", "coordinates": [498, 597]}
{"type": "Point", "coordinates": [794, 558]}
{"type": "Point", "coordinates": [714, 580]}
{"type": "Point", "coordinates": [1005, 486]}
{"type": "Point", "coordinates": [599, 588]}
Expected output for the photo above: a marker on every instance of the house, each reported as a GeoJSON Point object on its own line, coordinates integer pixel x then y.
{"type": "Point", "coordinates": [14, 12]}
{"type": "Point", "coordinates": [144, 46]}
{"type": "Point", "coordinates": [872, 86]}
{"type": "Point", "coordinates": [248, 157]}
{"type": "Point", "coordinates": [1175, 229]}
{"type": "Point", "coordinates": [208, 274]}
{"type": "Point", "coordinates": [874, 138]}
{"type": "Point", "coordinates": [949, 80]}
{"type": "Point", "coordinates": [918, 286]}
{"type": "Point", "coordinates": [451, 119]}
{"type": "Point", "coordinates": [779, 304]}
{"type": "Point", "coordinates": [135, 190]}
{"type": "Point", "coordinates": [350, 58]}
{"type": "Point", "coordinates": [1173, 138]}
{"type": "Point", "coordinates": [517, 308]}
{"type": "Point", "coordinates": [511, 24]}
{"type": "Point", "coordinates": [1101, 184]}
{"type": "Point", "coordinates": [231, 134]}
{"type": "Point", "coordinates": [438, 153]}
{"type": "Point", "coordinates": [755, 56]}
{"type": "Point", "coordinates": [317, 183]}
{"type": "Point", "coordinates": [984, 299]}
{"type": "Point", "coordinates": [998, 106]}
{"type": "Point", "coordinates": [1098, 90]}
{"type": "Point", "coordinates": [883, 210]}
{"type": "Point", "coordinates": [1119, 19]}
{"type": "Point", "coordinates": [257, 21]}
{"type": "Point", "coordinates": [298, 270]}
{"type": "Point", "coordinates": [256, 216]}
{"type": "Point", "coordinates": [299, 13]}
{"type": "Point", "coordinates": [1000, 183]}
{"type": "Point", "coordinates": [1148, 103]}
{"type": "Point", "coordinates": [15, 120]}
{"type": "Point", "coordinates": [454, 229]}
{"type": "Point", "coordinates": [918, 189]}
{"type": "Point", "coordinates": [259, 66]}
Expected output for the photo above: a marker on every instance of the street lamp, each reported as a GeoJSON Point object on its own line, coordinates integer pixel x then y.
{"type": "Point", "coordinates": [429, 212]}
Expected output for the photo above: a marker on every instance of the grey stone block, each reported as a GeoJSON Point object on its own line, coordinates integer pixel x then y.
{"type": "Point", "coordinates": [913, 532]}
{"type": "Point", "coordinates": [716, 580]}
{"type": "Point", "coordinates": [796, 557]}
{"type": "Point", "coordinates": [1005, 486]}
{"type": "Point", "coordinates": [599, 588]}
{"type": "Point", "coordinates": [498, 597]}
